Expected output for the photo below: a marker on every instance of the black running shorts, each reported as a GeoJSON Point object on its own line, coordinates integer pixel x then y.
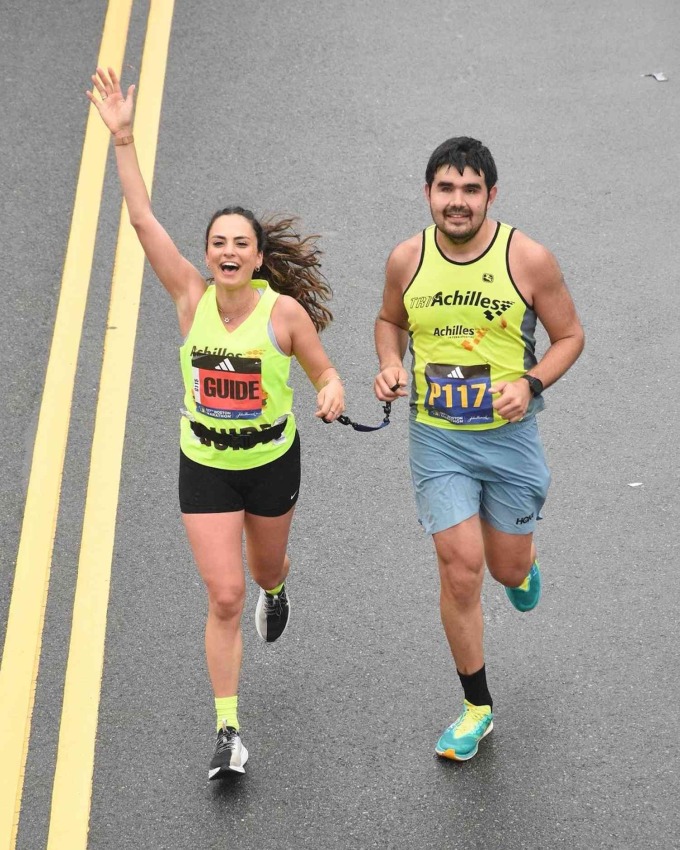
{"type": "Point", "coordinates": [268, 490]}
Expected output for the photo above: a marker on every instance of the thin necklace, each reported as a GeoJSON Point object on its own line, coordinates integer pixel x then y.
{"type": "Point", "coordinates": [227, 319]}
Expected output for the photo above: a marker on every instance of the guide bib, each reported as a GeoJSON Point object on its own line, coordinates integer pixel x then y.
{"type": "Point", "coordinates": [236, 382]}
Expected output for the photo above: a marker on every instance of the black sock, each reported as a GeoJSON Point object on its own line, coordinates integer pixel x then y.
{"type": "Point", "coordinates": [475, 688]}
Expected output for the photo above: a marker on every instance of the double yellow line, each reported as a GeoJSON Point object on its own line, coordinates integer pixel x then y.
{"type": "Point", "coordinates": [69, 817]}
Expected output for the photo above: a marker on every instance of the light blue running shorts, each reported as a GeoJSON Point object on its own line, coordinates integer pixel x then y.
{"type": "Point", "coordinates": [500, 473]}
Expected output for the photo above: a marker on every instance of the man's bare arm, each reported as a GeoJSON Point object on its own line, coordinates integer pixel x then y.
{"type": "Point", "coordinates": [542, 283]}
{"type": "Point", "coordinates": [391, 326]}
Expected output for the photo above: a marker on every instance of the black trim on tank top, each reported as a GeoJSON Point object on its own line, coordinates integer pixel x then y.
{"type": "Point", "coordinates": [507, 268]}
{"type": "Point", "coordinates": [420, 265]}
{"type": "Point", "coordinates": [467, 262]}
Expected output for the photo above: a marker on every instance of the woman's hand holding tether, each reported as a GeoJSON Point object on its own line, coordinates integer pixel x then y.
{"type": "Point", "coordinates": [330, 400]}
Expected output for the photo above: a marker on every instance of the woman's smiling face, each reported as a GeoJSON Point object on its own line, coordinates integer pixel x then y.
{"type": "Point", "coordinates": [232, 254]}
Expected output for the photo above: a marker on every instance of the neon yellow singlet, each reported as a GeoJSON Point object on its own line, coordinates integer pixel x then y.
{"type": "Point", "coordinates": [469, 328]}
{"type": "Point", "coordinates": [235, 381]}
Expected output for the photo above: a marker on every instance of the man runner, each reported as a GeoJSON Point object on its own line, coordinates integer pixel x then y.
{"type": "Point", "coordinates": [465, 294]}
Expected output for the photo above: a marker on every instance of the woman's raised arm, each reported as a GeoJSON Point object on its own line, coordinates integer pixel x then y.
{"type": "Point", "coordinates": [182, 280]}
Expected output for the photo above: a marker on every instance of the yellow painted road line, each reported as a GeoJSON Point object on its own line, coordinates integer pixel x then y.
{"type": "Point", "coordinates": [23, 639]}
{"type": "Point", "coordinates": [71, 795]}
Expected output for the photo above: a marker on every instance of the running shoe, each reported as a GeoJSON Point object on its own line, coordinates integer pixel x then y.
{"type": "Point", "coordinates": [272, 614]}
{"type": "Point", "coordinates": [526, 596]}
{"type": "Point", "coordinates": [461, 740]}
{"type": "Point", "coordinates": [230, 754]}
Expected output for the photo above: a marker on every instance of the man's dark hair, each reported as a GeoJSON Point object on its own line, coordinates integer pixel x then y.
{"type": "Point", "coordinates": [459, 152]}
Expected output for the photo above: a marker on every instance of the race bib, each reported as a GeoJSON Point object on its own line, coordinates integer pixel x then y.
{"type": "Point", "coordinates": [459, 394]}
{"type": "Point", "coordinates": [227, 387]}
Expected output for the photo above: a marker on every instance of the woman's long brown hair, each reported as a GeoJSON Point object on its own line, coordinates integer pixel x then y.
{"type": "Point", "coordinates": [291, 263]}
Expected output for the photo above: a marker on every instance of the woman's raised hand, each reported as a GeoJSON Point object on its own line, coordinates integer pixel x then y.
{"type": "Point", "coordinates": [115, 109]}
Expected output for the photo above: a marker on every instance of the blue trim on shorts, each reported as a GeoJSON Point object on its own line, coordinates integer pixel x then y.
{"type": "Point", "coordinates": [499, 473]}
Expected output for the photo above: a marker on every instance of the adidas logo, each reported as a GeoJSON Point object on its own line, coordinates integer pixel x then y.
{"type": "Point", "coordinates": [455, 373]}
{"type": "Point", "coordinates": [226, 366]}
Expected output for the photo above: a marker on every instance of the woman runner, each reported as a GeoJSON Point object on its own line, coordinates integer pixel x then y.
{"type": "Point", "coordinates": [239, 471]}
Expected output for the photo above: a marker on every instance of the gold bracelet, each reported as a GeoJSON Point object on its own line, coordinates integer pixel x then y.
{"type": "Point", "coordinates": [334, 378]}
{"type": "Point", "coordinates": [123, 140]}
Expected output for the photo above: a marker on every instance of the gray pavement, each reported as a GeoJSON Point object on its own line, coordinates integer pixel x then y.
{"type": "Point", "coordinates": [330, 110]}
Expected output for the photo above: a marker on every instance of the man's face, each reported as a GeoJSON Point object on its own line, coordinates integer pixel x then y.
{"type": "Point", "coordinates": [458, 202]}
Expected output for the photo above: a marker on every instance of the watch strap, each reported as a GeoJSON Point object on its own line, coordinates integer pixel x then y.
{"type": "Point", "coordinates": [535, 384]}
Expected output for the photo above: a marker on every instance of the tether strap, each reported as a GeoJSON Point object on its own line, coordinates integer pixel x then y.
{"type": "Point", "coordinates": [242, 440]}
{"type": "Point", "coordinates": [345, 420]}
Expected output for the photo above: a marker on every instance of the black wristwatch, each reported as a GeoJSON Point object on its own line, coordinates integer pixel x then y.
{"type": "Point", "coordinates": [535, 385]}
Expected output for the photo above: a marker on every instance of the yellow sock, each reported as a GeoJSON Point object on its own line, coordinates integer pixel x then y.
{"type": "Point", "coordinates": [226, 709]}
{"type": "Point", "coordinates": [275, 590]}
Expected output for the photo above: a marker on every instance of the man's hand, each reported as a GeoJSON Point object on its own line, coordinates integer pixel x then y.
{"type": "Point", "coordinates": [514, 398]}
{"type": "Point", "coordinates": [390, 383]}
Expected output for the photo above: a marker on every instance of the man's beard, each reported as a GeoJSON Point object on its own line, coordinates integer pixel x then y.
{"type": "Point", "coordinates": [461, 238]}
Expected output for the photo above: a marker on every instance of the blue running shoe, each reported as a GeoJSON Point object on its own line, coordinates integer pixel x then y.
{"type": "Point", "coordinates": [461, 740]}
{"type": "Point", "coordinates": [526, 596]}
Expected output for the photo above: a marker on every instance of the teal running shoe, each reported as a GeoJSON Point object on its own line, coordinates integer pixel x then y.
{"type": "Point", "coordinates": [526, 596]}
{"type": "Point", "coordinates": [461, 740]}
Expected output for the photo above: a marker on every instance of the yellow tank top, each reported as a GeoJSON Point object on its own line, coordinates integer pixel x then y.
{"type": "Point", "coordinates": [469, 328]}
{"type": "Point", "coordinates": [235, 381]}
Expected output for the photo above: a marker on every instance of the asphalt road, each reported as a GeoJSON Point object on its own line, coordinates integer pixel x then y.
{"type": "Point", "coordinates": [330, 111]}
